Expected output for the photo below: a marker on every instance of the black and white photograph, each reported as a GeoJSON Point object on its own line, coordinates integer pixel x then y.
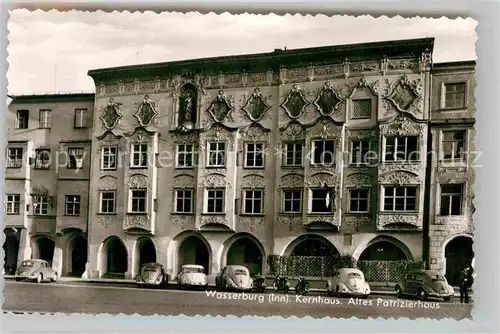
{"type": "Point", "coordinates": [239, 164]}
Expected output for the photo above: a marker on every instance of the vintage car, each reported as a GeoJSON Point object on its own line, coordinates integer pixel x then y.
{"type": "Point", "coordinates": [192, 276]}
{"type": "Point", "coordinates": [36, 271]}
{"type": "Point", "coordinates": [235, 278]}
{"type": "Point", "coordinates": [424, 284]}
{"type": "Point", "coordinates": [152, 275]}
{"type": "Point", "coordinates": [348, 282]}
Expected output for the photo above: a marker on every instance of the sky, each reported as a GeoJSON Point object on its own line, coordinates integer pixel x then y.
{"type": "Point", "coordinates": [52, 51]}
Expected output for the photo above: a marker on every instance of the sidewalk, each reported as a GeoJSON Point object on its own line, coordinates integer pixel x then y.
{"type": "Point", "coordinates": [316, 286]}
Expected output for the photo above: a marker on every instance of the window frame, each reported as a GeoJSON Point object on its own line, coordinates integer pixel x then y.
{"type": "Point", "coordinates": [364, 161]}
{"type": "Point", "coordinates": [76, 205]}
{"type": "Point", "coordinates": [191, 200]}
{"type": "Point", "coordinates": [22, 114]}
{"type": "Point", "coordinates": [140, 154]}
{"type": "Point", "coordinates": [350, 199]}
{"type": "Point", "coordinates": [17, 162]}
{"type": "Point", "coordinates": [394, 197]}
{"type": "Point", "coordinates": [295, 143]}
{"type": "Point", "coordinates": [185, 153]}
{"type": "Point", "coordinates": [284, 200]}
{"type": "Point", "coordinates": [361, 99]}
{"type": "Point", "coordinates": [312, 198]}
{"type": "Point", "coordinates": [14, 201]}
{"type": "Point", "coordinates": [101, 199]}
{"type": "Point", "coordinates": [72, 158]}
{"type": "Point", "coordinates": [208, 198]}
{"type": "Point", "coordinates": [47, 121]}
{"type": "Point", "coordinates": [253, 199]}
{"type": "Point", "coordinates": [103, 154]}
{"type": "Point", "coordinates": [255, 154]}
{"type": "Point", "coordinates": [217, 151]}
{"type": "Point", "coordinates": [38, 153]}
{"type": "Point", "coordinates": [313, 156]}
{"type": "Point", "coordinates": [39, 201]}
{"type": "Point", "coordinates": [395, 150]}
{"type": "Point", "coordinates": [133, 198]}
{"type": "Point", "coordinates": [450, 195]}
{"type": "Point", "coordinates": [443, 144]}
{"type": "Point", "coordinates": [83, 118]}
{"type": "Point", "coordinates": [445, 93]}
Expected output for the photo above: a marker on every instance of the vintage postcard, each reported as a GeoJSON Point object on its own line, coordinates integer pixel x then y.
{"type": "Point", "coordinates": [206, 164]}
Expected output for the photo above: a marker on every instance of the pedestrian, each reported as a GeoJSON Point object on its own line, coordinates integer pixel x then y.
{"type": "Point", "coordinates": [465, 275]}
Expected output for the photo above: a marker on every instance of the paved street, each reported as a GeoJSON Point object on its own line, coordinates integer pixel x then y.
{"type": "Point", "coordinates": [95, 299]}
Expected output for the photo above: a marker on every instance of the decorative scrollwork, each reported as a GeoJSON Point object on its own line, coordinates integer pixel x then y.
{"type": "Point", "coordinates": [293, 131]}
{"type": "Point", "coordinates": [254, 181]}
{"type": "Point", "coordinates": [325, 128]}
{"type": "Point", "coordinates": [138, 181]}
{"type": "Point", "coordinates": [399, 178]}
{"type": "Point", "coordinates": [147, 111]}
{"type": "Point", "coordinates": [328, 100]}
{"type": "Point", "coordinates": [111, 114]}
{"type": "Point", "coordinates": [252, 223]}
{"type": "Point", "coordinates": [402, 126]}
{"type": "Point", "coordinates": [107, 183]}
{"type": "Point", "coordinates": [388, 219]}
{"type": "Point", "coordinates": [359, 179]}
{"type": "Point", "coordinates": [292, 181]}
{"type": "Point", "coordinates": [215, 181]}
{"type": "Point", "coordinates": [220, 108]}
{"type": "Point", "coordinates": [405, 95]}
{"type": "Point", "coordinates": [256, 106]}
{"type": "Point", "coordinates": [295, 102]}
{"type": "Point", "coordinates": [137, 221]}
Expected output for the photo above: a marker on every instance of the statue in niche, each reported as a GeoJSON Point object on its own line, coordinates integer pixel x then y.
{"type": "Point", "coordinates": [187, 108]}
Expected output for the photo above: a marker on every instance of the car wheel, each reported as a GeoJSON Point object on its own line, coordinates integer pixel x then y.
{"type": "Point", "coordinates": [422, 295]}
{"type": "Point", "coordinates": [399, 293]}
{"type": "Point", "coordinates": [17, 279]}
{"type": "Point", "coordinates": [447, 299]}
{"type": "Point", "coordinates": [39, 278]}
{"type": "Point", "coordinates": [54, 277]}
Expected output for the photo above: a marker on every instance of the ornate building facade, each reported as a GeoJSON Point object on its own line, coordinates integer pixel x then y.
{"type": "Point", "coordinates": [47, 180]}
{"type": "Point", "coordinates": [228, 160]}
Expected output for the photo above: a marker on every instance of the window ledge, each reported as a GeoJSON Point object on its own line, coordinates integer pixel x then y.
{"type": "Point", "coordinates": [399, 212]}
{"type": "Point", "coordinates": [445, 109]}
{"type": "Point", "coordinates": [108, 169]}
{"type": "Point", "coordinates": [215, 167]}
{"type": "Point", "coordinates": [257, 167]}
{"type": "Point", "coordinates": [407, 162]}
{"type": "Point", "coordinates": [290, 213]}
{"type": "Point", "coordinates": [67, 215]}
{"type": "Point", "coordinates": [137, 213]}
{"type": "Point", "coordinates": [292, 166]}
{"type": "Point", "coordinates": [183, 214]}
{"type": "Point", "coordinates": [320, 213]}
{"type": "Point", "coordinates": [107, 214]}
{"type": "Point", "coordinates": [139, 167]}
{"type": "Point", "coordinates": [363, 213]}
{"type": "Point", "coordinates": [12, 213]}
{"type": "Point", "coordinates": [184, 167]}
{"type": "Point", "coordinates": [256, 215]}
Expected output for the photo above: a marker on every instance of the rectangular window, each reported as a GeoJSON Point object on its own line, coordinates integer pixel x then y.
{"type": "Point", "coordinates": [215, 201]}
{"type": "Point", "coordinates": [40, 205]}
{"type": "Point", "coordinates": [185, 155]}
{"type": "Point", "coordinates": [75, 155]}
{"type": "Point", "coordinates": [361, 108]}
{"type": "Point", "coordinates": [138, 198]}
{"type": "Point", "coordinates": [108, 157]}
{"type": "Point", "coordinates": [454, 145]}
{"type": "Point", "coordinates": [72, 205]}
{"type": "Point", "coordinates": [139, 155]}
{"type": "Point", "coordinates": [107, 201]}
{"type": "Point", "coordinates": [254, 155]}
{"type": "Point", "coordinates": [321, 201]}
{"type": "Point", "coordinates": [451, 199]}
{"type": "Point", "coordinates": [400, 198]}
{"type": "Point", "coordinates": [292, 201]}
{"type": "Point", "coordinates": [454, 95]}
{"type": "Point", "coordinates": [360, 150]}
{"type": "Point", "coordinates": [184, 200]}
{"type": "Point", "coordinates": [293, 154]}
{"type": "Point", "coordinates": [45, 119]}
{"type": "Point", "coordinates": [253, 202]}
{"type": "Point", "coordinates": [81, 118]}
{"type": "Point", "coordinates": [42, 159]}
{"type": "Point", "coordinates": [402, 149]}
{"type": "Point", "coordinates": [12, 204]}
{"type": "Point", "coordinates": [216, 154]}
{"type": "Point", "coordinates": [22, 119]}
{"type": "Point", "coordinates": [15, 157]}
{"type": "Point", "coordinates": [323, 152]}
{"type": "Point", "coordinates": [358, 200]}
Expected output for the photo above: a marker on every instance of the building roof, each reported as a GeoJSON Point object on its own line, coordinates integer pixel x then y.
{"type": "Point", "coordinates": [57, 97]}
{"type": "Point", "coordinates": [260, 62]}
{"type": "Point", "coordinates": [454, 66]}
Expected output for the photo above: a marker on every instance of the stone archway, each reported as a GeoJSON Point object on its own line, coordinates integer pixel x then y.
{"type": "Point", "coordinates": [114, 258]}
{"type": "Point", "coordinates": [147, 251]}
{"type": "Point", "coordinates": [11, 249]}
{"type": "Point", "coordinates": [244, 249]}
{"type": "Point", "coordinates": [311, 245]}
{"type": "Point", "coordinates": [43, 248]}
{"type": "Point", "coordinates": [192, 250]}
{"type": "Point", "coordinates": [382, 251]}
{"type": "Point", "coordinates": [458, 253]}
{"type": "Point", "coordinates": [77, 255]}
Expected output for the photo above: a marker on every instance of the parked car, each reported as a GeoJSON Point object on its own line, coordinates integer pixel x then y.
{"type": "Point", "coordinates": [151, 275]}
{"type": "Point", "coordinates": [424, 284]}
{"type": "Point", "coordinates": [348, 282]}
{"type": "Point", "coordinates": [36, 270]}
{"type": "Point", "coordinates": [192, 276]}
{"type": "Point", "coordinates": [234, 277]}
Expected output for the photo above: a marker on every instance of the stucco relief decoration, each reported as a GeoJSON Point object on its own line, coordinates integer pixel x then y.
{"type": "Point", "coordinates": [214, 220]}
{"type": "Point", "coordinates": [138, 181]}
{"type": "Point", "coordinates": [405, 95]}
{"type": "Point", "coordinates": [295, 102]}
{"type": "Point", "coordinates": [399, 178]}
{"type": "Point", "coordinates": [217, 133]}
{"type": "Point", "coordinates": [112, 114]}
{"type": "Point", "coordinates": [356, 222]}
{"type": "Point", "coordinates": [359, 179]}
{"type": "Point", "coordinates": [105, 220]}
{"type": "Point", "coordinates": [252, 223]}
{"type": "Point", "coordinates": [254, 133]}
{"type": "Point", "coordinates": [256, 106]}
{"type": "Point", "coordinates": [139, 221]}
{"type": "Point", "coordinates": [184, 181]}
{"type": "Point", "coordinates": [324, 129]}
{"type": "Point", "coordinates": [215, 181]}
{"type": "Point", "coordinates": [182, 220]}
{"type": "Point", "coordinates": [320, 219]}
{"type": "Point", "coordinates": [322, 180]}
{"type": "Point", "coordinates": [147, 111]}
{"type": "Point", "coordinates": [328, 100]}
{"type": "Point", "coordinates": [292, 181]}
{"type": "Point", "coordinates": [402, 126]}
{"type": "Point", "coordinates": [220, 109]}
{"type": "Point", "coordinates": [254, 181]}
{"type": "Point", "coordinates": [187, 108]}
{"type": "Point", "coordinates": [291, 221]}
{"type": "Point", "coordinates": [373, 86]}
{"type": "Point", "coordinates": [389, 219]}
{"type": "Point", "coordinates": [407, 167]}
{"type": "Point", "coordinates": [293, 131]}
{"type": "Point", "coordinates": [107, 183]}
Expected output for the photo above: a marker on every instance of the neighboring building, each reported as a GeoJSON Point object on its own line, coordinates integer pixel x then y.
{"type": "Point", "coordinates": [354, 149]}
{"type": "Point", "coordinates": [231, 177]}
{"type": "Point", "coordinates": [47, 180]}
{"type": "Point", "coordinates": [451, 175]}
